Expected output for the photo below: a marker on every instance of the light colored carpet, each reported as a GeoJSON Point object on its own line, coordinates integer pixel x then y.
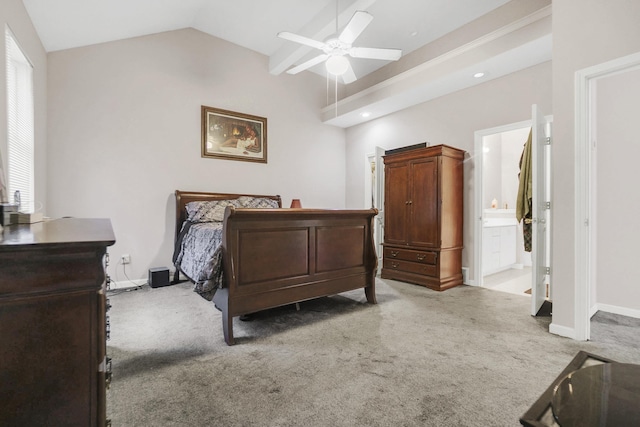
{"type": "Point", "coordinates": [464, 357]}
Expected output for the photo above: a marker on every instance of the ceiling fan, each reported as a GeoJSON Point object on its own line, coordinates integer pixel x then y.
{"type": "Point", "coordinates": [335, 49]}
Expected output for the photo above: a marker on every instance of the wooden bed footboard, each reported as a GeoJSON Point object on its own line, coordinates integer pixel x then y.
{"type": "Point", "coordinates": [274, 257]}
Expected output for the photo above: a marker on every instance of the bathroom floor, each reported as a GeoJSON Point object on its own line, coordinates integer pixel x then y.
{"type": "Point", "coordinates": [515, 281]}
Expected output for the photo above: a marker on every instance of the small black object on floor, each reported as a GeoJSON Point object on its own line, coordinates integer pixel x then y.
{"type": "Point", "coordinates": [546, 309]}
{"type": "Point", "coordinates": [159, 276]}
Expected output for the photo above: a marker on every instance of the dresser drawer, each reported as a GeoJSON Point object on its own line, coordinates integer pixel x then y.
{"type": "Point", "coordinates": [409, 267]}
{"type": "Point", "coordinates": [423, 257]}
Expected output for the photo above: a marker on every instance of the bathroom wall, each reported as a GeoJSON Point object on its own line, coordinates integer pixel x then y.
{"type": "Point", "coordinates": [501, 158]}
{"type": "Point", "coordinates": [501, 166]}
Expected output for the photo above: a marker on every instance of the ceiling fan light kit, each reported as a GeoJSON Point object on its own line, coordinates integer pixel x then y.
{"type": "Point", "coordinates": [337, 65]}
{"type": "Point", "coordinates": [335, 49]}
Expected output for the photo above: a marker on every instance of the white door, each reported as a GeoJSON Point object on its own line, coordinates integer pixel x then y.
{"type": "Point", "coordinates": [540, 206]}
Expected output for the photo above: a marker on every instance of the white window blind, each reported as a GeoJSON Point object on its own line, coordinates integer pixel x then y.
{"type": "Point", "coordinates": [20, 125]}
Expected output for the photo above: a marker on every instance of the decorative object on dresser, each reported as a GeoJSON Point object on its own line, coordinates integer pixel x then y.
{"type": "Point", "coordinates": [248, 254]}
{"type": "Point", "coordinates": [53, 324]}
{"type": "Point", "coordinates": [423, 216]}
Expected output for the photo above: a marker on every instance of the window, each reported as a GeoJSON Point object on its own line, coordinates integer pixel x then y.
{"type": "Point", "coordinates": [20, 125]}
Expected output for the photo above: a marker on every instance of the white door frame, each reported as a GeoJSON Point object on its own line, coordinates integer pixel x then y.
{"type": "Point", "coordinates": [378, 195]}
{"type": "Point", "coordinates": [584, 280]}
{"type": "Point", "coordinates": [478, 183]}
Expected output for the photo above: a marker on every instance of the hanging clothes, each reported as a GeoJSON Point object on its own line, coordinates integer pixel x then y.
{"type": "Point", "coordinates": [525, 194]}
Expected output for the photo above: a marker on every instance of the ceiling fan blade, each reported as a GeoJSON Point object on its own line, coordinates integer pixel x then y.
{"type": "Point", "coordinates": [349, 76]}
{"type": "Point", "coordinates": [301, 39]}
{"type": "Point", "coordinates": [375, 53]}
{"type": "Point", "coordinates": [308, 64]}
{"type": "Point", "coordinates": [355, 27]}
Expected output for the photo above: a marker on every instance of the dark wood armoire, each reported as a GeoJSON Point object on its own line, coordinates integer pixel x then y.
{"type": "Point", "coordinates": [423, 216]}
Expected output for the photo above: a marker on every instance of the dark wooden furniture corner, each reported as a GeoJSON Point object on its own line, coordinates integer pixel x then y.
{"type": "Point", "coordinates": [53, 323]}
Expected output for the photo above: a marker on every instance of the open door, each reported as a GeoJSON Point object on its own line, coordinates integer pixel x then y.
{"type": "Point", "coordinates": [540, 204]}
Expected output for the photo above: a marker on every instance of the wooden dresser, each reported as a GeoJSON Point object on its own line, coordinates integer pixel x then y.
{"type": "Point", "coordinates": [53, 364]}
{"type": "Point", "coordinates": [423, 216]}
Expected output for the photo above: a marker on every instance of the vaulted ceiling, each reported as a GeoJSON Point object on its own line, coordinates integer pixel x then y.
{"type": "Point", "coordinates": [410, 25]}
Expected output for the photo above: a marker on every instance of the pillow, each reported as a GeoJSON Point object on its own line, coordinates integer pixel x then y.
{"type": "Point", "coordinates": [257, 202]}
{"type": "Point", "coordinates": [209, 211]}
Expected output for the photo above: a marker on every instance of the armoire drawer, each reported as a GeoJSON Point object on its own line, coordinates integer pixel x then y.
{"type": "Point", "coordinates": [423, 257]}
{"type": "Point", "coordinates": [410, 267]}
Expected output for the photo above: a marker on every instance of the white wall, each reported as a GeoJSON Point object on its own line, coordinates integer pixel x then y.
{"type": "Point", "coordinates": [512, 146]}
{"type": "Point", "coordinates": [451, 120]}
{"type": "Point", "coordinates": [13, 14]}
{"type": "Point", "coordinates": [492, 170]}
{"type": "Point", "coordinates": [585, 33]}
{"type": "Point", "coordinates": [501, 166]}
{"type": "Point", "coordinates": [124, 134]}
{"type": "Point", "coordinates": [617, 203]}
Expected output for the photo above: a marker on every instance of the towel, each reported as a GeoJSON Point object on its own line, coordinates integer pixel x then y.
{"type": "Point", "coordinates": [525, 189]}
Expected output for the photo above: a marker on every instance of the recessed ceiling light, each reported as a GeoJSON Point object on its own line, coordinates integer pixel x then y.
{"type": "Point", "coordinates": [478, 75]}
{"type": "Point", "coordinates": [365, 114]}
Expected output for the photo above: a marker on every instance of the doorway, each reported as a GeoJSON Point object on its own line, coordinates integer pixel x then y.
{"type": "Point", "coordinates": [374, 195]}
{"type": "Point", "coordinates": [596, 170]}
{"type": "Point", "coordinates": [504, 265]}
{"type": "Point", "coordinates": [539, 161]}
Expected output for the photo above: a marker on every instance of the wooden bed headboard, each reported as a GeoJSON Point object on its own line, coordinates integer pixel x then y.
{"type": "Point", "coordinates": [184, 197]}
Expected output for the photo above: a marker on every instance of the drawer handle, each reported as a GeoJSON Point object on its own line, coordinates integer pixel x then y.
{"type": "Point", "coordinates": [108, 376]}
{"type": "Point", "coordinates": [394, 253]}
{"type": "Point", "coordinates": [394, 265]}
{"type": "Point", "coordinates": [421, 257]}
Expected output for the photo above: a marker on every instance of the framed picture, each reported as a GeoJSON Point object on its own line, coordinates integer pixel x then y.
{"type": "Point", "coordinates": [233, 136]}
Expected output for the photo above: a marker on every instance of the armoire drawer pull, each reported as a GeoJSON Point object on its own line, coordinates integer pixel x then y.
{"type": "Point", "coordinates": [394, 253]}
{"type": "Point", "coordinates": [421, 257]}
{"type": "Point", "coordinates": [394, 265]}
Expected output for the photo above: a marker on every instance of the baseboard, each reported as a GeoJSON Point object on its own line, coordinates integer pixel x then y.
{"type": "Point", "coordinates": [614, 309]}
{"type": "Point", "coordinates": [563, 331]}
{"type": "Point", "coordinates": [465, 275]}
{"type": "Point", "coordinates": [593, 310]}
{"type": "Point", "coordinates": [126, 284]}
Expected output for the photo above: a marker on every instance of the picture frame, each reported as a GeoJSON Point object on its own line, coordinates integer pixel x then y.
{"type": "Point", "coordinates": [231, 135]}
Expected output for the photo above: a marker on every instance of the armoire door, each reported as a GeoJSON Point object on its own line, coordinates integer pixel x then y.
{"type": "Point", "coordinates": [396, 189]}
{"type": "Point", "coordinates": [424, 204]}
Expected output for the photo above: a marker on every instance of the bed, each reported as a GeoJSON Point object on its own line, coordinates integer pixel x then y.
{"type": "Point", "coordinates": [268, 256]}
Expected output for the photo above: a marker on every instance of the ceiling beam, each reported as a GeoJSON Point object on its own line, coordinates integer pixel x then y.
{"type": "Point", "coordinates": [320, 27]}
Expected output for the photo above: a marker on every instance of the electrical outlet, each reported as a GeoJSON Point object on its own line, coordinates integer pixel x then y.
{"type": "Point", "coordinates": [126, 258]}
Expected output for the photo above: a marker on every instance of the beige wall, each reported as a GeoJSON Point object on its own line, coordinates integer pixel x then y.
{"type": "Point", "coordinates": [451, 120]}
{"type": "Point", "coordinates": [13, 14]}
{"type": "Point", "coordinates": [585, 33]}
{"type": "Point", "coordinates": [124, 134]}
